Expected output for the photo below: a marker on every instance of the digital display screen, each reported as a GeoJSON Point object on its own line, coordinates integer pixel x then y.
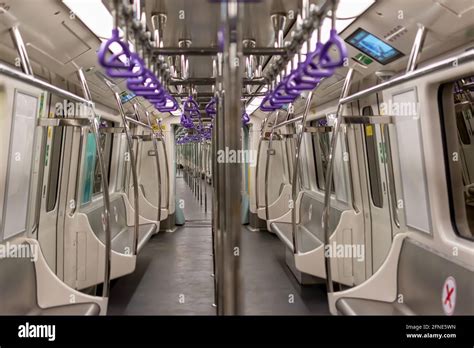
{"type": "Point", "coordinates": [373, 46]}
{"type": "Point", "coordinates": [126, 96]}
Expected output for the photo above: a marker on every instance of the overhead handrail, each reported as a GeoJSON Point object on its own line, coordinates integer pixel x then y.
{"type": "Point", "coordinates": [127, 64]}
{"type": "Point", "coordinates": [317, 65]}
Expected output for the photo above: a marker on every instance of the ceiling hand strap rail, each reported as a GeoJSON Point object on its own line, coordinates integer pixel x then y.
{"type": "Point", "coordinates": [212, 51]}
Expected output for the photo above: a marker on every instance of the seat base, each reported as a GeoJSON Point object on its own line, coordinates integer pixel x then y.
{"type": "Point", "coordinates": [307, 241]}
{"type": "Point", "coordinates": [357, 306]}
{"type": "Point", "coordinates": [69, 309]}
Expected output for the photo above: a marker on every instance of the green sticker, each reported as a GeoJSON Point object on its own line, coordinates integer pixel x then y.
{"type": "Point", "coordinates": [362, 58]}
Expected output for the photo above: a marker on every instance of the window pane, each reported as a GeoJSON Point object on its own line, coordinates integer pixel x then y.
{"type": "Point", "coordinates": [459, 147]}
{"type": "Point", "coordinates": [89, 165]}
{"type": "Point", "coordinates": [106, 146]}
{"type": "Point", "coordinates": [321, 146]}
{"type": "Point", "coordinates": [19, 164]}
{"type": "Point", "coordinates": [373, 161]}
{"type": "Point", "coordinates": [53, 184]}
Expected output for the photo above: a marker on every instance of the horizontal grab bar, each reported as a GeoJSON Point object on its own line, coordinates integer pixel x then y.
{"type": "Point", "coordinates": [13, 73]}
{"type": "Point", "coordinates": [446, 63]}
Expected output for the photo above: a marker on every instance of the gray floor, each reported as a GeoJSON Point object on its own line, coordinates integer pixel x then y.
{"type": "Point", "coordinates": [173, 273]}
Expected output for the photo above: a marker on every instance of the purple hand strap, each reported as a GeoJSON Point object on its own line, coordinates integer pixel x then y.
{"type": "Point", "coordinates": [325, 60]}
{"type": "Point", "coordinates": [162, 107]}
{"type": "Point", "coordinates": [113, 61]}
{"type": "Point", "coordinates": [211, 108]}
{"type": "Point", "coordinates": [114, 66]}
{"type": "Point", "coordinates": [144, 83]}
{"type": "Point", "coordinates": [245, 119]}
{"type": "Point", "coordinates": [265, 104]}
{"type": "Point", "coordinates": [310, 65]}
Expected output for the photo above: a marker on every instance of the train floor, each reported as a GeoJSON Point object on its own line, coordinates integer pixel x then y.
{"type": "Point", "coordinates": [174, 273]}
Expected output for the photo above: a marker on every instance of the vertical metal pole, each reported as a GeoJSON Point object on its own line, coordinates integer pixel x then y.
{"type": "Point", "coordinates": [416, 48]}
{"type": "Point", "coordinates": [267, 165]}
{"type": "Point", "coordinates": [206, 159]}
{"type": "Point", "coordinates": [200, 173]}
{"type": "Point", "coordinates": [157, 159]}
{"type": "Point", "coordinates": [328, 180]}
{"type": "Point", "coordinates": [167, 170]}
{"type": "Point", "coordinates": [294, 184]}
{"type": "Point", "coordinates": [21, 48]}
{"type": "Point", "coordinates": [105, 187]}
{"type": "Point", "coordinates": [215, 182]}
{"type": "Point", "coordinates": [229, 188]}
{"type": "Point", "coordinates": [133, 168]}
{"type": "Point", "coordinates": [196, 188]}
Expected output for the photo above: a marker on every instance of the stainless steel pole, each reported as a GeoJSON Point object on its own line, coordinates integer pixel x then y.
{"type": "Point", "coordinates": [229, 188]}
{"type": "Point", "coordinates": [105, 186]}
{"type": "Point", "coordinates": [133, 168]}
{"type": "Point", "coordinates": [294, 184]}
{"type": "Point", "coordinates": [328, 179]}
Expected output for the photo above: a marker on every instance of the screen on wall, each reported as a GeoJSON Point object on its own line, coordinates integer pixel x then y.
{"type": "Point", "coordinates": [374, 47]}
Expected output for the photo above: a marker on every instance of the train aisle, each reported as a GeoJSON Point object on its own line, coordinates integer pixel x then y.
{"type": "Point", "coordinates": [173, 275]}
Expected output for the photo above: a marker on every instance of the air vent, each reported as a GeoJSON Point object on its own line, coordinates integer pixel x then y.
{"type": "Point", "coordinates": [395, 33]}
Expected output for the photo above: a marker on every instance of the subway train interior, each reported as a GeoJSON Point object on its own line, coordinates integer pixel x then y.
{"type": "Point", "coordinates": [231, 157]}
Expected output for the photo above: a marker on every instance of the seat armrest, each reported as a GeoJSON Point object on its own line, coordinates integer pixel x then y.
{"type": "Point", "coordinates": [381, 286]}
{"type": "Point", "coordinates": [52, 292]}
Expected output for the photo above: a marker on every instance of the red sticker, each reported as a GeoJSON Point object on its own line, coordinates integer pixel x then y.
{"type": "Point", "coordinates": [448, 297]}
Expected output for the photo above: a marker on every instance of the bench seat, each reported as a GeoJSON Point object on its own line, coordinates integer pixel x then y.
{"type": "Point", "coordinates": [122, 234]}
{"type": "Point", "coordinates": [421, 276]}
{"type": "Point", "coordinates": [18, 291]}
{"type": "Point", "coordinates": [69, 309]}
{"type": "Point", "coordinates": [357, 306]}
{"type": "Point", "coordinates": [310, 234]}
{"type": "Point", "coordinates": [306, 240]}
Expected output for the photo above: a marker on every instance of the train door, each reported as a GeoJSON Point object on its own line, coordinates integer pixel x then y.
{"type": "Point", "coordinates": [47, 231]}
{"type": "Point", "coordinates": [377, 170]}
